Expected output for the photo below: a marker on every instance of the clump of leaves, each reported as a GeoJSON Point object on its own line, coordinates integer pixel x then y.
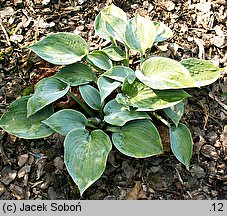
{"type": "Point", "coordinates": [119, 104]}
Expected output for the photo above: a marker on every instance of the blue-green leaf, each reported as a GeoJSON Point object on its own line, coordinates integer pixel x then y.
{"type": "Point", "coordinates": [61, 48]}
{"type": "Point", "coordinates": [15, 120]}
{"type": "Point", "coordinates": [91, 96]}
{"type": "Point", "coordinates": [99, 59]}
{"type": "Point", "coordinates": [106, 86]}
{"type": "Point", "coordinates": [163, 32]}
{"type": "Point", "coordinates": [117, 114]}
{"type": "Point", "coordinates": [181, 143]}
{"type": "Point", "coordinates": [114, 53]}
{"type": "Point", "coordinates": [144, 98]}
{"type": "Point", "coordinates": [140, 34]}
{"type": "Point", "coordinates": [164, 73]}
{"type": "Point", "coordinates": [76, 74]}
{"type": "Point", "coordinates": [47, 91]}
{"type": "Point", "coordinates": [175, 112]}
{"type": "Point", "coordinates": [85, 156]}
{"type": "Point", "coordinates": [202, 71]}
{"type": "Point", "coordinates": [120, 73]}
{"type": "Point", "coordinates": [111, 23]}
{"type": "Point", "coordinates": [139, 139]}
{"type": "Point", "coordinates": [66, 120]}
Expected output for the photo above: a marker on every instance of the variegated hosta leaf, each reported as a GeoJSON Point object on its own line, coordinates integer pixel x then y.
{"type": "Point", "coordinates": [175, 112]}
{"type": "Point", "coordinates": [139, 139]}
{"type": "Point", "coordinates": [181, 143]}
{"type": "Point", "coordinates": [61, 48]}
{"type": "Point", "coordinates": [106, 86]}
{"type": "Point", "coordinates": [164, 73]}
{"type": "Point", "coordinates": [76, 74]}
{"type": "Point", "coordinates": [66, 120]}
{"type": "Point", "coordinates": [163, 32]}
{"type": "Point", "coordinates": [202, 71]}
{"type": "Point", "coordinates": [15, 120]}
{"type": "Point", "coordinates": [144, 98]}
{"type": "Point", "coordinates": [140, 34]}
{"type": "Point", "coordinates": [47, 91]}
{"type": "Point", "coordinates": [99, 59]}
{"type": "Point", "coordinates": [85, 156]}
{"type": "Point", "coordinates": [111, 23]}
{"type": "Point", "coordinates": [120, 73]}
{"type": "Point", "coordinates": [117, 114]}
{"type": "Point", "coordinates": [114, 53]}
{"type": "Point", "coordinates": [91, 96]}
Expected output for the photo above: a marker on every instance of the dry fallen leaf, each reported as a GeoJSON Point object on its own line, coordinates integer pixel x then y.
{"type": "Point", "coordinates": [136, 193]}
{"type": "Point", "coordinates": [198, 145]}
{"type": "Point", "coordinates": [223, 139]}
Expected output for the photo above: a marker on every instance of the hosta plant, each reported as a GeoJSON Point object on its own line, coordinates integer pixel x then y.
{"type": "Point", "coordinates": [118, 105]}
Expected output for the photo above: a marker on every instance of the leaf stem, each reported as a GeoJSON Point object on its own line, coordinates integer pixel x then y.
{"type": "Point", "coordinates": [160, 119]}
{"type": "Point", "coordinates": [85, 108]}
{"type": "Point", "coordinates": [126, 56]}
{"type": "Point", "coordinates": [113, 41]}
{"type": "Point", "coordinates": [142, 59]}
{"type": "Point", "coordinates": [112, 129]}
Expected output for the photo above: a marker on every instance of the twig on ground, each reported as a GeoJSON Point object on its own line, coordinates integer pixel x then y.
{"type": "Point", "coordinates": [5, 33]}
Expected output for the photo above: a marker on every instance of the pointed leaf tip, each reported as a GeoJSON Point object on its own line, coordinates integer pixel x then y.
{"type": "Point", "coordinates": [181, 143]}
{"type": "Point", "coordinates": [85, 156]}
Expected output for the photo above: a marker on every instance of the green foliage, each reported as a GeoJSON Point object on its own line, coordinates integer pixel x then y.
{"type": "Point", "coordinates": [117, 104]}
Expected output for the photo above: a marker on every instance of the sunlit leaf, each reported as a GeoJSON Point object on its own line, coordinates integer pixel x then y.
{"type": "Point", "coordinates": [99, 59]}
{"type": "Point", "coordinates": [15, 120]}
{"type": "Point", "coordinates": [117, 114]}
{"type": "Point", "coordinates": [47, 91]}
{"type": "Point", "coordinates": [181, 143]}
{"type": "Point", "coordinates": [111, 23]}
{"type": "Point", "coordinates": [76, 74]}
{"type": "Point", "coordinates": [139, 139]}
{"type": "Point", "coordinates": [164, 73]}
{"type": "Point", "coordinates": [120, 73]}
{"type": "Point", "coordinates": [85, 156]}
{"type": "Point", "coordinates": [114, 53]}
{"type": "Point", "coordinates": [144, 98]}
{"type": "Point", "coordinates": [175, 112]}
{"type": "Point", "coordinates": [66, 120]}
{"type": "Point", "coordinates": [163, 32]}
{"type": "Point", "coordinates": [140, 33]}
{"type": "Point", "coordinates": [61, 48]}
{"type": "Point", "coordinates": [202, 71]}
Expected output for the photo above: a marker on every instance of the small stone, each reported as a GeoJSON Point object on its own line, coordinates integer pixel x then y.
{"type": "Point", "coordinates": [218, 41]}
{"type": "Point", "coordinates": [6, 11]}
{"type": "Point", "coordinates": [52, 193]}
{"type": "Point", "coordinates": [81, 1]}
{"type": "Point", "coordinates": [59, 163]}
{"type": "Point", "coordinates": [209, 152]}
{"type": "Point", "coordinates": [214, 193]}
{"type": "Point", "coordinates": [7, 175]}
{"type": "Point", "coordinates": [2, 189]}
{"type": "Point", "coordinates": [18, 3]}
{"type": "Point", "coordinates": [45, 2]}
{"type": "Point", "coordinates": [17, 192]}
{"type": "Point", "coordinates": [22, 159]}
{"type": "Point", "coordinates": [24, 170]}
{"type": "Point", "coordinates": [197, 171]}
{"type": "Point", "coordinates": [110, 197]}
{"type": "Point", "coordinates": [128, 170]}
{"type": "Point", "coordinates": [169, 5]}
{"type": "Point", "coordinates": [221, 2]}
